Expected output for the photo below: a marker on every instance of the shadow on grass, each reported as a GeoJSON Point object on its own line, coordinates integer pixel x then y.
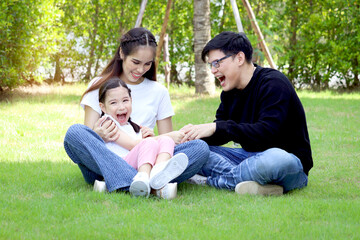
{"type": "Point", "coordinates": [46, 180]}
{"type": "Point", "coordinates": [55, 93]}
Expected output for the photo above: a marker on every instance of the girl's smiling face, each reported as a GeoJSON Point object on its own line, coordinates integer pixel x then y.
{"type": "Point", "coordinates": [117, 104]}
{"type": "Point", "coordinates": [137, 64]}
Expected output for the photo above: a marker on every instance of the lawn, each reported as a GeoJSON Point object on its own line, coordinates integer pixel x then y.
{"type": "Point", "coordinates": [43, 194]}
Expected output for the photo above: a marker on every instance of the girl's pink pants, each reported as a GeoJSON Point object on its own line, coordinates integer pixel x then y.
{"type": "Point", "coordinates": [148, 150]}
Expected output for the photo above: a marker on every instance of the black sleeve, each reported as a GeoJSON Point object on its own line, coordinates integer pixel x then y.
{"type": "Point", "coordinates": [221, 115]}
{"type": "Point", "coordinates": [272, 108]}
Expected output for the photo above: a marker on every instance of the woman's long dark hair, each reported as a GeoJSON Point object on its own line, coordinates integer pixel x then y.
{"type": "Point", "coordinates": [111, 83]}
{"type": "Point", "coordinates": [129, 42]}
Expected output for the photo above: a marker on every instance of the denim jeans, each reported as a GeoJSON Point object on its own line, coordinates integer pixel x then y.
{"type": "Point", "coordinates": [227, 167]}
{"type": "Point", "coordinates": [97, 162]}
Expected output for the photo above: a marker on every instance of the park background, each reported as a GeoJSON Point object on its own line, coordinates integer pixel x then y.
{"type": "Point", "coordinates": [315, 43]}
{"type": "Point", "coordinates": [49, 50]}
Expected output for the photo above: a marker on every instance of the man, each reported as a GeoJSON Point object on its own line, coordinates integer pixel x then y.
{"type": "Point", "coordinates": [259, 110]}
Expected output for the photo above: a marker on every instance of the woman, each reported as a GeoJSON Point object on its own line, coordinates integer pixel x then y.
{"type": "Point", "coordinates": [85, 144]}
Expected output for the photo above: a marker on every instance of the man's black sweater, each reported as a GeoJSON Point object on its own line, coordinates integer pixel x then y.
{"type": "Point", "coordinates": [267, 113]}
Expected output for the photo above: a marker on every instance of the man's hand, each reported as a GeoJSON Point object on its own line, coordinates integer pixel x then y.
{"type": "Point", "coordinates": [198, 131]}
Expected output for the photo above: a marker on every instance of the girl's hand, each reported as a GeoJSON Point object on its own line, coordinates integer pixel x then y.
{"type": "Point", "coordinates": [177, 136]}
{"type": "Point", "coordinates": [147, 132]}
{"type": "Point", "coordinates": [106, 129]}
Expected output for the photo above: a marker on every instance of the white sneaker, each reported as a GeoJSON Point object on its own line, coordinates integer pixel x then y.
{"type": "Point", "coordinates": [140, 185]}
{"type": "Point", "coordinates": [168, 192]}
{"type": "Point", "coordinates": [254, 188]}
{"type": "Point", "coordinates": [197, 180]}
{"type": "Point", "coordinates": [163, 173]}
{"type": "Point", "coordinates": [100, 186]}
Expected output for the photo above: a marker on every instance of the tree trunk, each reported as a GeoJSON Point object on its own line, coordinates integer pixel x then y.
{"type": "Point", "coordinates": [167, 60]}
{"type": "Point", "coordinates": [174, 76]}
{"type": "Point", "coordinates": [162, 34]}
{"type": "Point", "coordinates": [292, 44]}
{"type": "Point", "coordinates": [57, 76]}
{"type": "Point", "coordinates": [204, 82]}
{"type": "Point", "coordinates": [122, 29]}
{"type": "Point", "coordinates": [355, 67]}
{"type": "Point", "coordinates": [259, 34]}
{"type": "Point", "coordinates": [98, 57]}
{"type": "Point", "coordinates": [141, 13]}
{"type": "Point", "coordinates": [222, 16]}
{"type": "Point", "coordinates": [237, 16]}
{"type": "Point", "coordinates": [92, 38]}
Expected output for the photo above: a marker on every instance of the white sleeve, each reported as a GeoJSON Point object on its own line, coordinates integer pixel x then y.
{"type": "Point", "coordinates": [165, 109]}
{"type": "Point", "coordinates": [91, 99]}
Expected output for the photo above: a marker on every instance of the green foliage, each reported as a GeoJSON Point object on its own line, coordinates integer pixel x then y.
{"type": "Point", "coordinates": [313, 42]}
{"type": "Point", "coordinates": [94, 28]}
{"type": "Point", "coordinates": [26, 39]}
{"type": "Point", "coordinates": [180, 30]}
{"type": "Point", "coordinates": [321, 43]}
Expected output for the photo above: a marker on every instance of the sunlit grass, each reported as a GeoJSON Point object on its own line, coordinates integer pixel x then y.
{"type": "Point", "coordinates": [329, 95]}
{"type": "Point", "coordinates": [43, 195]}
{"type": "Point", "coordinates": [34, 120]}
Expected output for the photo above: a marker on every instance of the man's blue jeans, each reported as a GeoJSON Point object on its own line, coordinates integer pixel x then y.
{"type": "Point", "coordinates": [97, 162]}
{"type": "Point", "coordinates": [227, 167]}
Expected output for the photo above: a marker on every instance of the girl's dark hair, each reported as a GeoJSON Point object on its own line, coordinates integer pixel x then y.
{"type": "Point", "coordinates": [115, 82]}
{"type": "Point", "coordinates": [129, 43]}
{"type": "Point", "coordinates": [229, 43]}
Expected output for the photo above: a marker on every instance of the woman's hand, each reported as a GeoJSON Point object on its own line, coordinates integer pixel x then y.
{"type": "Point", "coordinates": [147, 132]}
{"type": "Point", "coordinates": [197, 131]}
{"type": "Point", "coordinates": [106, 129]}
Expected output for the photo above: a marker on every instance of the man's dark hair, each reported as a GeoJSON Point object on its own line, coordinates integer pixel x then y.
{"type": "Point", "coordinates": [229, 43]}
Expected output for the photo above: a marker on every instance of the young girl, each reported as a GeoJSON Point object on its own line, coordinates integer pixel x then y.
{"type": "Point", "coordinates": [150, 155]}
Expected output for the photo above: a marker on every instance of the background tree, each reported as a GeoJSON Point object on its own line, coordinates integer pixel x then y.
{"type": "Point", "coordinates": [315, 43]}
{"type": "Point", "coordinates": [94, 27]}
{"type": "Point", "coordinates": [204, 82]}
{"type": "Point", "coordinates": [319, 48]}
{"type": "Point", "coordinates": [27, 37]}
{"type": "Point", "coordinates": [181, 43]}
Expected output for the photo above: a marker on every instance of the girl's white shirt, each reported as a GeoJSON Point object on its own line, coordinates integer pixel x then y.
{"type": "Point", "coordinates": [150, 102]}
{"type": "Point", "coordinates": [129, 130]}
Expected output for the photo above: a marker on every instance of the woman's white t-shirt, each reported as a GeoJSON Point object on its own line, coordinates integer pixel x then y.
{"type": "Point", "coordinates": [150, 102]}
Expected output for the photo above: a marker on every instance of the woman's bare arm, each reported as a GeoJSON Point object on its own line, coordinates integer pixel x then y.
{"type": "Point", "coordinates": [107, 130]}
{"type": "Point", "coordinates": [165, 128]}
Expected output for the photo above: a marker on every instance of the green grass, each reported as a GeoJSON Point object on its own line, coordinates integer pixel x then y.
{"type": "Point", "coordinates": [43, 195]}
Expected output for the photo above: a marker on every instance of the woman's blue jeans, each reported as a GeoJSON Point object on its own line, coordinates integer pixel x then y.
{"type": "Point", "coordinates": [97, 162]}
{"type": "Point", "coordinates": [227, 167]}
